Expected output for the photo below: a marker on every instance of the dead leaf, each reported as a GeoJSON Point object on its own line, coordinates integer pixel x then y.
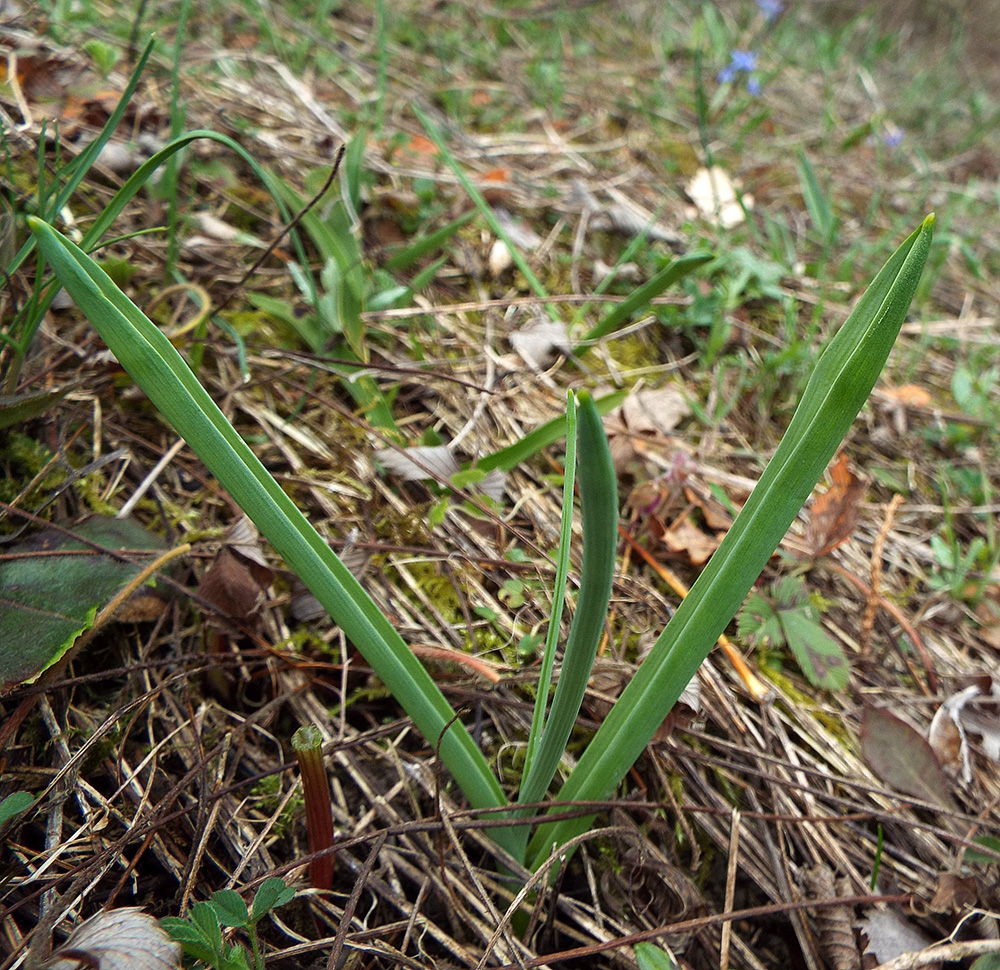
{"type": "Point", "coordinates": [650, 413]}
{"type": "Point", "coordinates": [890, 935]}
{"type": "Point", "coordinates": [237, 581]}
{"type": "Point", "coordinates": [954, 894]}
{"type": "Point", "coordinates": [714, 196]}
{"type": "Point", "coordinates": [685, 537]}
{"type": "Point", "coordinates": [946, 734]}
{"type": "Point", "coordinates": [539, 342]}
{"type": "Point", "coordinates": [833, 515]}
{"type": "Point", "coordinates": [834, 924]}
{"type": "Point", "coordinates": [418, 464]}
{"type": "Point", "coordinates": [902, 758]}
{"type": "Point", "coordinates": [117, 939]}
{"type": "Point", "coordinates": [909, 395]}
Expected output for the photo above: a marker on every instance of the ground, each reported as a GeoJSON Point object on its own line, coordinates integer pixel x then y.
{"type": "Point", "coordinates": [338, 328]}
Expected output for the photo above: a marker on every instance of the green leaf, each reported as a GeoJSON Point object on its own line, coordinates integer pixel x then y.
{"type": "Point", "coordinates": [988, 961]}
{"type": "Point", "coordinates": [20, 407]}
{"type": "Point", "coordinates": [14, 804]}
{"type": "Point", "coordinates": [230, 908]}
{"type": "Point", "coordinates": [837, 389]}
{"type": "Point", "coordinates": [972, 856]}
{"type": "Point", "coordinates": [204, 917]}
{"type": "Point", "coordinates": [543, 436]}
{"type": "Point", "coordinates": [651, 957]}
{"type": "Point", "coordinates": [272, 893]}
{"type": "Point", "coordinates": [758, 622]}
{"type": "Point", "coordinates": [819, 655]}
{"type": "Point", "coordinates": [52, 587]}
{"type": "Point", "coordinates": [641, 296]}
{"type": "Point", "coordinates": [156, 366]}
{"type": "Point", "coordinates": [193, 941]}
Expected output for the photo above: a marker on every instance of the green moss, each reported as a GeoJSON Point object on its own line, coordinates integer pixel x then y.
{"type": "Point", "coordinates": [21, 459]}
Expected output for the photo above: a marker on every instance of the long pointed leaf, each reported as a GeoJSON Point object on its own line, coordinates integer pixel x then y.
{"type": "Point", "coordinates": [841, 382]}
{"type": "Point", "coordinates": [159, 370]}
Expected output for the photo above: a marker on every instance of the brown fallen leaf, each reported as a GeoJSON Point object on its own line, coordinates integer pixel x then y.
{"type": "Point", "coordinates": [902, 758]}
{"type": "Point", "coordinates": [237, 581]}
{"type": "Point", "coordinates": [833, 515]}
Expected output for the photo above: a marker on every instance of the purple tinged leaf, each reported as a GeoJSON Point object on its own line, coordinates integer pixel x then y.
{"type": "Point", "coordinates": [901, 757]}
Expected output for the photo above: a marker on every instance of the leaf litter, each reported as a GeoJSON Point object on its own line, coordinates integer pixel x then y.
{"type": "Point", "coordinates": [224, 806]}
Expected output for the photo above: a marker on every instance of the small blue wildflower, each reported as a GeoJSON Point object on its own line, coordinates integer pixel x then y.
{"type": "Point", "coordinates": [893, 137]}
{"type": "Point", "coordinates": [770, 9]}
{"type": "Point", "coordinates": [741, 62]}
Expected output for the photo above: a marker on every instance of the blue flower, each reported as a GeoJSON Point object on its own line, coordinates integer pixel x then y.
{"type": "Point", "coordinates": [770, 9]}
{"type": "Point", "coordinates": [893, 137]}
{"type": "Point", "coordinates": [741, 62]}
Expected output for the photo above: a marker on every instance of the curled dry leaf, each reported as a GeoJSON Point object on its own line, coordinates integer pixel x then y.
{"type": "Point", "coordinates": [714, 196]}
{"type": "Point", "coordinates": [972, 712]}
{"type": "Point", "coordinates": [418, 464]}
{"type": "Point", "coordinates": [645, 414]}
{"type": "Point", "coordinates": [834, 514]}
{"type": "Point", "coordinates": [117, 939]}
{"type": "Point", "coordinates": [890, 935]}
{"type": "Point", "coordinates": [946, 734]}
{"type": "Point", "coordinates": [238, 579]}
{"type": "Point", "coordinates": [683, 536]}
{"type": "Point", "coordinates": [834, 924]}
{"type": "Point", "coordinates": [539, 342]}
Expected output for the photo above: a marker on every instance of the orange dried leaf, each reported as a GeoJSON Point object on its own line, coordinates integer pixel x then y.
{"type": "Point", "coordinates": [834, 514]}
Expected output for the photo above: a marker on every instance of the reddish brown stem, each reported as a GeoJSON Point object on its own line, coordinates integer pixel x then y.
{"type": "Point", "coordinates": [308, 744]}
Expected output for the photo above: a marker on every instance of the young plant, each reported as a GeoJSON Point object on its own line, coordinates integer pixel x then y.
{"type": "Point", "coordinates": [200, 934]}
{"type": "Point", "coordinates": [840, 384]}
{"type": "Point", "coordinates": [788, 616]}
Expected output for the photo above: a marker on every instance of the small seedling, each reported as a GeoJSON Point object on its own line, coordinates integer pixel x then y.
{"type": "Point", "coordinates": [200, 934]}
{"type": "Point", "coordinates": [788, 616]}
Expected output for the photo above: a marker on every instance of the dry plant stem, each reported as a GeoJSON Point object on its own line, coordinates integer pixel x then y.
{"type": "Point", "coordinates": [875, 576]}
{"type": "Point", "coordinates": [734, 855]}
{"type": "Point", "coordinates": [897, 614]}
{"type": "Point", "coordinates": [308, 744]}
{"type": "Point", "coordinates": [758, 690]}
{"type": "Point", "coordinates": [947, 953]}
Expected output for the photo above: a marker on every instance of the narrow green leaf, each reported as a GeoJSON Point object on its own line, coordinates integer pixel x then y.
{"type": "Point", "coordinates": [159, 370]}
{"type": "Point", "coordinates": [837, 389]}
{"type": "Point", "coordinates": [543, 436]}
{"type": "Point", "coordinates": [599, 511]}
{"type": "Point", "coordinates": [558, 603]}
{"type": "Point", "coordinates": [641, 296]}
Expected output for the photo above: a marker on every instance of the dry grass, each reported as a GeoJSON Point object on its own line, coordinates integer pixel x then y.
{"type": "Point", "coordinates": [166, 768]}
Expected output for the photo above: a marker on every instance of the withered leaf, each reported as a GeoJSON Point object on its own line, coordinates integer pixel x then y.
{"type": "Point", "coordinates": [901, 757]}
{"type": "Point", "coordinates": [834, 514]}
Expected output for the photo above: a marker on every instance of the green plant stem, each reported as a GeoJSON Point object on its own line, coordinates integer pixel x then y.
{"type": "Point", "coordinates": [308, 744]}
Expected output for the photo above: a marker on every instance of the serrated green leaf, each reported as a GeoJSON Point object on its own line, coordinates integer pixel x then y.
{"type": "Point", "coordinates": [272, 893]}
{"type": "Point", "coordinates": [230, 908]}
{"type": "Point", "coordinates": [206, 920]}
{"type": "Point", "coordinates": [758, 622]}
{"type": "Point", "coordinates": [819, 655]}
